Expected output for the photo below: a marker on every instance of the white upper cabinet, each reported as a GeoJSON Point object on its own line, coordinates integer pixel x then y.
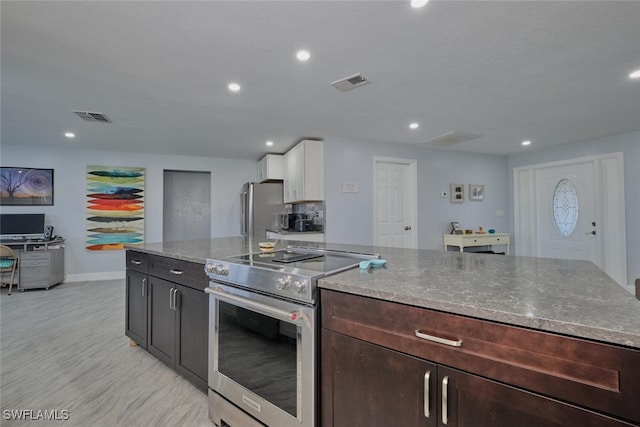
{"type": "Point", "coordinates": [304, 172]}
{"type": "Point", "coordinates": [270, 168]}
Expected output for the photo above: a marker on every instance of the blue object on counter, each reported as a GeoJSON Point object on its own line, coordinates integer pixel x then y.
{"type": "Point", "coordinates": [375, 262]}
{"type": "Point", "coordinates": [492, 231]}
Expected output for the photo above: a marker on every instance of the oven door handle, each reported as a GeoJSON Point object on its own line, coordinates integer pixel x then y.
{"type": "Point", "coordinates": [267, 309]}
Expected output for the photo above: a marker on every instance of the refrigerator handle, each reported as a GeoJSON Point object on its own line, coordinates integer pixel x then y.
{"type": "Point", "coordinates": [244, 218]}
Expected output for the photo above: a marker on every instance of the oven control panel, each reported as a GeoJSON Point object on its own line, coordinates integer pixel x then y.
{"type": "Point", "coordinates": [217, 269]}
{"type": "Point", "coordinates": [297, 286]}
{"type": "Point", "coordinates": [286, 284]}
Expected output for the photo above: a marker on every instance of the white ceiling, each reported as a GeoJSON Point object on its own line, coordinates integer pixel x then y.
{"type": "Point", "coordinates": [549, 71]}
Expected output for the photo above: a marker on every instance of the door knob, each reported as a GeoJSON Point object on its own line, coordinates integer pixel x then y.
{"type": "Point", "coordinates": [592, 232]}
{"type": "Point", "coordinates": [407, 228]}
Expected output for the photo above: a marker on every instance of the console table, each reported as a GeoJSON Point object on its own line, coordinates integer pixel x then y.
{"type": "Point", "coordinates": [465, 240]}
{"type": "Point", "coordinates": [40, 263]}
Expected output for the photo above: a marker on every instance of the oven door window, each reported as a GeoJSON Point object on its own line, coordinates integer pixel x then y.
{"type": "Point", "coordinates": [260, 353]}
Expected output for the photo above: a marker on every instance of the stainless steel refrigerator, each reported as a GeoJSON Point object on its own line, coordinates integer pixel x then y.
{"type": "Point", "coordinates": [261, 206]}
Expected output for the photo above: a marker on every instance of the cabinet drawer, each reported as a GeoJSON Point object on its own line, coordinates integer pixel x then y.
{"type": "Point", "coordinates": [34, 277]}
{"type": "Point", "coordinates": [34, 259]}
{"type": "Point", "coordinates": [186, 273]}
{"type": "Point", "coordinates": [599, 376]}
{"type": "Point", "coordinates": [485, 240]}
{"type": "Point", "coordinates": [138, 261]}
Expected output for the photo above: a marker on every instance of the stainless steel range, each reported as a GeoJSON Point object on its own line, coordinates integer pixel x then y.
{"type": "Point", "coordinates": [262, 335]}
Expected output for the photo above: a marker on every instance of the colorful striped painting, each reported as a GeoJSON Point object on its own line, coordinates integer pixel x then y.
{"type": "Point", "coordinates": [115, 207]}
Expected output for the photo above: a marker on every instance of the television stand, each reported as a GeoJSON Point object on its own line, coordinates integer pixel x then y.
{"type": "Point", "coordinates": [40, 264]}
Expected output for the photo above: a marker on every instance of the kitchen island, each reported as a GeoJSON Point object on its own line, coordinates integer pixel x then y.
{"type": "Point", "coordinates": [438, 338]}
{"type": "Point", "coordinates": [543, 336]}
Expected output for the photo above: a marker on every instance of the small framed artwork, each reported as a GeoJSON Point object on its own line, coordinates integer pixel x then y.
{"type": "Point", "coordinates": [26, 186]}
{"type": "Point", "coordinates": [455, 228]}
{"type": "Point", "coordinates": [476, 192]}
{"type": "Point", "coordinates": [457, 193]}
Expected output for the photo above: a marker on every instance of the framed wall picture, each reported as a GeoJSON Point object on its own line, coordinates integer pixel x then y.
{"type": "Point", "coordinates": [455, 228]}
{"type": "Point", "coordinates": [457, 193]}
{"type": "Point", "coordinates": [476, 192]}
{"type": "Point", "coordinates": [26, 186]}
{"type": "Point", "coordinates": [115, 207]}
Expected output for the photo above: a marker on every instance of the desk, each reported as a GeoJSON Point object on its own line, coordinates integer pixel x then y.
{"type": "Point", "coordinates": [40, 264]}
{"type": "Point", "coordinates": [465, 240]}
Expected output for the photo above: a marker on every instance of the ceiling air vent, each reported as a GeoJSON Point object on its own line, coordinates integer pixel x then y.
{"type": "Point", "coordinates": [451, 138]}
{"type": "Point", "coordinates": [92, 117]}
{"type": "Point", "coordinates": [350, 82]}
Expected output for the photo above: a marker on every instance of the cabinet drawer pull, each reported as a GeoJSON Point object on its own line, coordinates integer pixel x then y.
{"type": "Point", "coordinates": [136, 262]}
{"type": "Point", "coordinates": [424, 336]}
{"type": "Point", "coordinates": [445, 389]}
{"type": "Point", "coordinates": [427, 411]}
{"type": "Point", "coordinates": [178, 272]}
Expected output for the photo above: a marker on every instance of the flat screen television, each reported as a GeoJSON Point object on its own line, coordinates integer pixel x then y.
{"type": "Point", "coordinates": [21, 226]}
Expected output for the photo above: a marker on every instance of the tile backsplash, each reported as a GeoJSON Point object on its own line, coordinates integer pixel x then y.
{"type": "Point", "coordinates": [314, 211]}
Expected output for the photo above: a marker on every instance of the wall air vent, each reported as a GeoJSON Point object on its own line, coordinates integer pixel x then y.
{"type": "Point", "coordinates": [350, 82]}
{"type": "Point", "coordinates": [451, 138]}
{"type": "Point", "coordinates": [92, 117]}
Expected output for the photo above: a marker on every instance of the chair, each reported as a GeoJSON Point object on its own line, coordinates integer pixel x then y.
{"type": "Point", "coordinates": [8, 263]}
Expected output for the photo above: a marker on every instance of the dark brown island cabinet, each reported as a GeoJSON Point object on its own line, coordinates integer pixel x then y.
{"type": "Point", "coordinates": [167, 312]}
{"type": "Point", "coordinates": [388, 364]}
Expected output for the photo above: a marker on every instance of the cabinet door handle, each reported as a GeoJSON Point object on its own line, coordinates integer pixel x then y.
{"type": "Point", "coordinates": [175, 299]}
{"type": "Point", "coordinates": [136, 262]}
{"type": "Point", "coordinates": [177, 272]}
{"type": "Point", "coordinates": [144, 287]}
{"type": "Point", "coordinates": [171, 298]}
{"type": "Point", "coordinates": [445, 388]}
{"type": "Point", "coordinates": [424, 336]}
{"type": "Point", "coordinates": [427, 411]}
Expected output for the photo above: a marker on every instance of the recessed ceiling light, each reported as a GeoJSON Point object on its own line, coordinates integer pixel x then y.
{"type": "Point", "coordinates": [635, 75]}
{"type": "Point", "coordinates": [269, 143]}
{"type": "Point", "coordinates": [303, 55]}
{"type": "Point", "coordinates": [526, 143]}
{"type": "Point", "coordinates": [418, 3]}
{"type": "Point", "coordinates": [414, 125]}
{"type": "Point", "coordinates": [234, 87]}
{"type": "Point", "coordinates": [70, 134]}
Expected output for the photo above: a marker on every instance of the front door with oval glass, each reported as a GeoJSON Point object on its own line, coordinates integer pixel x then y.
{"type": "Point", "coordinates": [566, 213]}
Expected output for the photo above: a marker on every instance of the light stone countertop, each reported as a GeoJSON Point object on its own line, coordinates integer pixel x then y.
{"type": "Point", "coordinates": [568, 297]}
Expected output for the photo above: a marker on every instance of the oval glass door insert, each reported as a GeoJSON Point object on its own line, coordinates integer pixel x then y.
{"type": "Point", "coordinates": [565, 207]}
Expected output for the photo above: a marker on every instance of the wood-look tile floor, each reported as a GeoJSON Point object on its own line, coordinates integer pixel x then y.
{"type": "Point", "coordinates": [64, 349]}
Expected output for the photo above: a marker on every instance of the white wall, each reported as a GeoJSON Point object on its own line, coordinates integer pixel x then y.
{"type": "Point", "coordinates": [629, 145]}
{"type": "Point", "coordinates": [67, 214]}
{"type": "Point", "coordinates": [349, 217]}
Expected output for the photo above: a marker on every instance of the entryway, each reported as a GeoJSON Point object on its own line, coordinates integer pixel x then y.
{"type": "Point", "coordinates": [186, 205]}
{"type": "Point", "coordinates": [395, 203]}
{"type": "Point", "coordinates": [573, 209]}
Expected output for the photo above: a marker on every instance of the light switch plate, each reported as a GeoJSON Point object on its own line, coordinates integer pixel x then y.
{"type": "Point", "coordinates": [349, 187]}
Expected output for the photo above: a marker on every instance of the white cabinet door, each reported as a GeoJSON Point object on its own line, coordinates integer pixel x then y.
{"type": "Point", "coordinates": [304, 172]}
{"type": "Point", "coordinates": [270, 168]}
{"type": "Point", "coordinates": [290, 178]}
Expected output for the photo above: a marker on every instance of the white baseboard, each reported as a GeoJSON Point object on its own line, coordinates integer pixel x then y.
{"type": "Point", "coordinates": [87, 277]}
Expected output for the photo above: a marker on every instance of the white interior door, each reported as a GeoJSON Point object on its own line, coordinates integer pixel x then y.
{"type": "Point", "coordinates": [394, 206]}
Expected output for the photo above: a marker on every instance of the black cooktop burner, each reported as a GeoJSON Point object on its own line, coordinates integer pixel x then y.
{"type": "Point", "coordinates": [289, 257]}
